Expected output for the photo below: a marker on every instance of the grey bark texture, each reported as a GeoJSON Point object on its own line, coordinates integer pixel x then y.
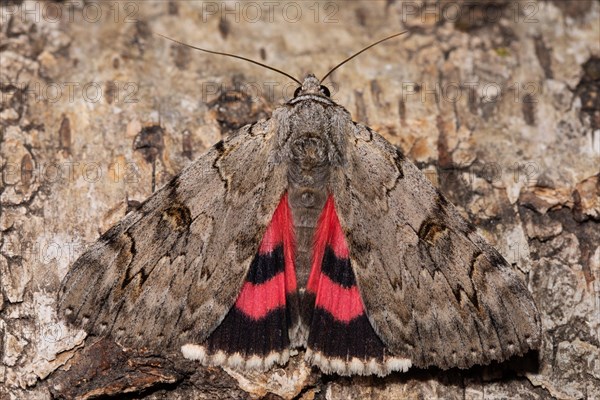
{"type": "Point", "coordinates": [499, 103]}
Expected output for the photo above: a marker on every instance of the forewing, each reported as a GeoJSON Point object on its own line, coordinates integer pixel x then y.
{"type": "Point", "coordinates": [433, 289]}
{"type": "Point", "coordinates": [169, 271]}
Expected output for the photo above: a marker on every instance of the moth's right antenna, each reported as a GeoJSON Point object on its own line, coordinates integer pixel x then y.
{"type": "Point", "coordinates": [230, 55]}
{"type": "Point", "coordinates": [363, 50]}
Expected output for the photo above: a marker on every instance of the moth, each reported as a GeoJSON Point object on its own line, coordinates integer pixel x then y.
{"type": "Point", "coordinates": [305, 230]}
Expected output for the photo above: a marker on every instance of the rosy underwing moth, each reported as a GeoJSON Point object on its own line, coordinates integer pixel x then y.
{"type": "Point", "coordinates": [305, 230]}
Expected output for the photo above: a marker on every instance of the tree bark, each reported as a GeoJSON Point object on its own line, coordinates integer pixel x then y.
{"type": "Point", "coordinates": [499, 103]}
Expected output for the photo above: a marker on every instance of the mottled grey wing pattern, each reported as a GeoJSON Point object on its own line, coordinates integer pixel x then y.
{"type": "Point", "coordinates": [168, 272]}
{"type": "Point", "coordinates": [433, 289]}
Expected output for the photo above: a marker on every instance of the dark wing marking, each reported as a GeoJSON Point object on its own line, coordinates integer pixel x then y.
{"type": "Point", "coordinates": [169, 272]}
{"type": "Point", "coordinates": [341, 340]}
{"type": "Point", "coordinates": [254, 334]}
{"type": "Point", "coordinates": [434, 291]}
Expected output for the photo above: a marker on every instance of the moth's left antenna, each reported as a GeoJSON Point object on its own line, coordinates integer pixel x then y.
{"type": "Point", "coordinates": [230, 55]}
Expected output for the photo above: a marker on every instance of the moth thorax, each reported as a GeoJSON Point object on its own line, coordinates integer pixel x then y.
{"type": "Point", "coordinates": [309, 151]}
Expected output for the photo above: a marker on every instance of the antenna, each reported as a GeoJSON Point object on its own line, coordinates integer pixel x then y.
{"type": "Point", "coordinates": [356, 54]}
{"type": "Point", "coordinates": [275, 69]}
{"type": "Point", "coordinates": [230, 55]}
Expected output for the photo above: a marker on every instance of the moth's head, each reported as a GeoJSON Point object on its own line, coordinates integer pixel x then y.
{"type": "Point", "coordinates": [311, 85]}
